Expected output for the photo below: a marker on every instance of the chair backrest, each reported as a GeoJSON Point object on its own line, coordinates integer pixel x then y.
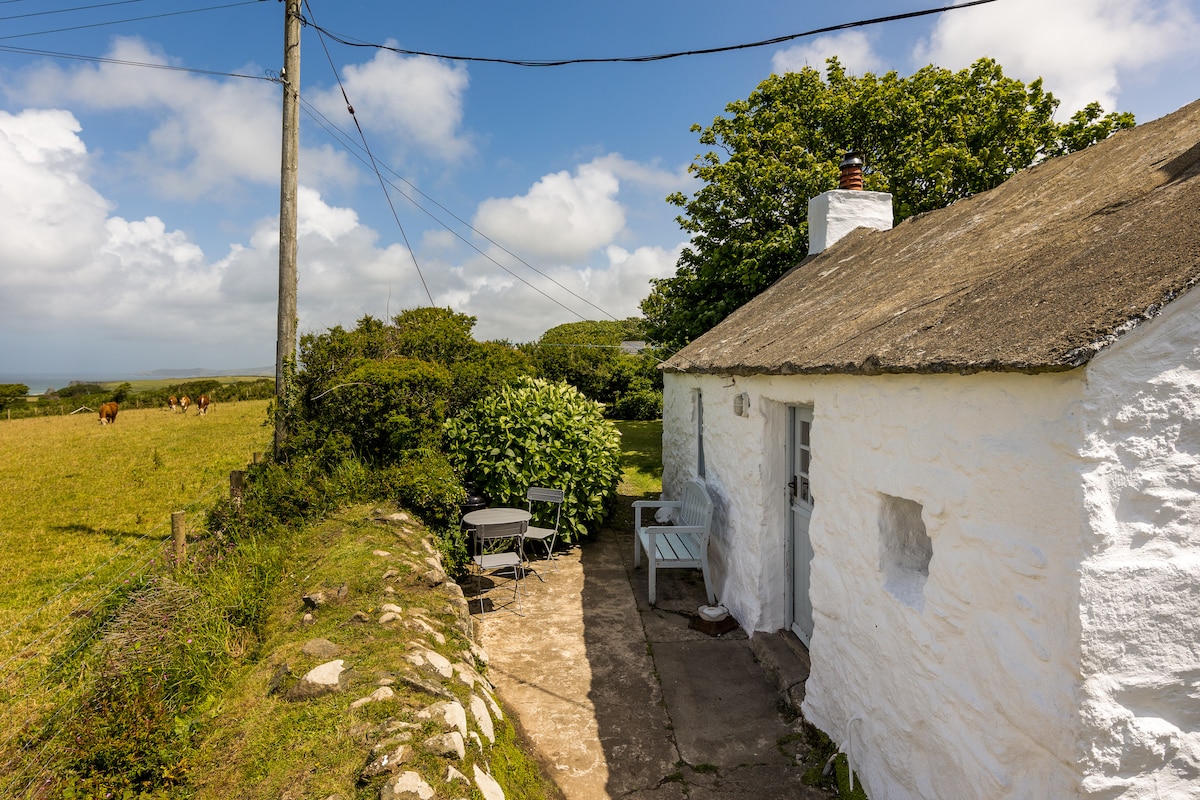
{"type": "Point", "coordinates": [539, 494]}
{"type": "Point", "coordinates": [697, 506]}
{"type": "Point", "coordinates": [500, 530]}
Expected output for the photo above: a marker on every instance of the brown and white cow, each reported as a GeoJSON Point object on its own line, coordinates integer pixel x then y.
{"type": "Point", "coordinates": [173, 402]}
{"type": "Point", "coordinates": [184, 402]}
{"type": "Point", "coordinates": [108, 413]}
{"type": "Point", "coordinates": [202, 405]}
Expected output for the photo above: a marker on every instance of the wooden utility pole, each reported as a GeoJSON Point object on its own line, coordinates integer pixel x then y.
{"type": "Point", "coordinates": [285, 342]}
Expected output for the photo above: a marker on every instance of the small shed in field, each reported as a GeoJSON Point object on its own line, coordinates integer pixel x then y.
{"type": "Point", "coordinates": [961, 460]}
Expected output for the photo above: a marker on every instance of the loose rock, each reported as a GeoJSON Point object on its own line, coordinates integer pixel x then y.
{"type": "Point", "coordinates": [382, 693]}
{"type": "Point", "coordinates": [483, 719]}
{"type": "Point", "coordinates": [487, 785]}
{"type": "Point", "coordinates": [452, 713]}
{"type": "Point", "coordinates": [406, 785]}
{"type": "Point", "coordinates": [319, 648]}
{"type": "Point", "coordinates": [319, 681]}
{"type": "Point", "coordinates": [386, 763]}
{"type": "Point", "coordinates": [449, 745]}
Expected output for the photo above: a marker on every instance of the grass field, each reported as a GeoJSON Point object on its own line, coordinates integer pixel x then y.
{"type": "Point", "coordinates": [82, 505]}
{"type": "Point", "coordinates": [641, 458]}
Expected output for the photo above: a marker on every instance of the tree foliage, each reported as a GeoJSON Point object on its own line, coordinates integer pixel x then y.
{"type": "Point", "coordinates": [929, 139]}
{"type": "Point", "coordinates": [537, 433]}
{"type": "Point", "coordinates": [435, 335]}
{"type": "Point", "coordinates": [12, 393]}
{"type": "Point", "coordinates": [588, 356]}
{"type": "Point", "coordinates": [382, 409]}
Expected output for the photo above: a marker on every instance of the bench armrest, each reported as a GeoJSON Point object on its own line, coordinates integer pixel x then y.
{"type": "Point", "coordinates": [638, 505]}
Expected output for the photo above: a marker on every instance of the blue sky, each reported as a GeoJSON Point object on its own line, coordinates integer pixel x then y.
{"type": "Point", "coordinates": [139, 206]}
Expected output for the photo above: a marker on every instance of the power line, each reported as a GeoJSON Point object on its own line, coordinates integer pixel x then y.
{"type": "Point", "coordinates": [123, 62]}
{"type": "Point", "coordinates": [344, 140]}
{"type": "Point", "coordinates": [66, 10]}
{"type": "Point", "coordinates": [341, 137]}
{"type": "Point", "coordinates": [338, 134]}
{"type": "Point", "coordinates": [351, 42]}
{"type": "Point", "coordinates": [131, 19]}
{"type": "Point", "coordinates": [374, 167]}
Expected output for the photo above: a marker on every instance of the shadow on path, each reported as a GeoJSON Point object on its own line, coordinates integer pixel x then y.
{"type": "Point", "coordinates": [624, 700]}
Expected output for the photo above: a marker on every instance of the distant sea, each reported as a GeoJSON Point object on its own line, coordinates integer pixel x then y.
{"type": "Point", "coordinates": [39, 382]}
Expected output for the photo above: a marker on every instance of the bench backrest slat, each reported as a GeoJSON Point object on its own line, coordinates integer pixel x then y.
{"type": "Point", "coordinates": [697, 507]}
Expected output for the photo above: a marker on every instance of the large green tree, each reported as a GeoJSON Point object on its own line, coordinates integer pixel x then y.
{"type": "Point", "coordinates": [12, 393]}
{"type": "Point", "coordinates": [588, 356]}
{"type": "Point", "coordinates": [928, 139]}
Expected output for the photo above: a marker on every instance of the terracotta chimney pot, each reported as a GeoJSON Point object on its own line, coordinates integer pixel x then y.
{"type": "Point", "coordinates": [852, 172]}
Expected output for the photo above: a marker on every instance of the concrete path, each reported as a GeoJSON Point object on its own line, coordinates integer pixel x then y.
{"type": "Point", "coordinates": [622, 700]}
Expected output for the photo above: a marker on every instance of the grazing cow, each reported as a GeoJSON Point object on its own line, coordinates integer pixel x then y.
{"type": "Point", "coordinates": [173, 402]}
{"type": "Point", "coordinates": [184, 402]}
{"type": "Point", "coordinates": [108, 413]}
{"type": "Point", "coordinates": [202, 405]}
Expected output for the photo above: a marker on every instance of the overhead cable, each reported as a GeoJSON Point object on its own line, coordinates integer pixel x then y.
{"type": "Point", "coordinates": [351, 42]}
{"type": "Point", "coordinates": [340, 135]}
{"type": "Point", "coordinates": [131, 19]}
{"type": "Point", "coordinates": [66, 10]}
{"type": "Point", "coordinates": [374, 167]}
{"type": "Point", "coordinates": [126, 63]}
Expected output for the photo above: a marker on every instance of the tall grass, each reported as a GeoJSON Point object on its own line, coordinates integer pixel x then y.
{"type": "Point", "coordinates": [84, 511]}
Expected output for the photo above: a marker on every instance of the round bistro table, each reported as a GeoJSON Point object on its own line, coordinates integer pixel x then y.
{"type": "Point", "coordinates": [496, 516]}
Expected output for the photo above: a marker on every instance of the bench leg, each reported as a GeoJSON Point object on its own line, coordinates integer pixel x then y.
{"type": "Point", "coordinates": [650, 565]}
{"type": "Point", "coordinates": [712, 598]}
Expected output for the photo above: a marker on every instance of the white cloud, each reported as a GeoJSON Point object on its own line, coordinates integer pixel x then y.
{"type": "Point", "coordinates": [562, 216]}
{"type": "Point", "coordinates": [852, 48]}
{"type": "Point", "coordinates": [1080, 47]}
{"type": "Point", "coordinates": [649, 177]}
{"type": "Point", "coordinates": [413, 101]}
{"type": "Point", "coordinates": [138, 293]}
{"type": "Point", "coordinates": [206, 135]}
{"type": "Point", "coordinates": [50, 217]}
{"type": "Point", "coordinates": [509, 309]}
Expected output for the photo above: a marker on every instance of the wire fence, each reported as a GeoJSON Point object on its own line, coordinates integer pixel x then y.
{"type": "Point", "coordinates": [37, 697]}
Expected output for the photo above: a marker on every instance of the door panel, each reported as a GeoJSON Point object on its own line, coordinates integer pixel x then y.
{"type": "Point", "coordinates": [800, 504]}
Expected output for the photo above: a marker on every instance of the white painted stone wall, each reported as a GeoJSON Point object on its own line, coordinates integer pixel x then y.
{"type": "Point", "coordinates": [967, 686]}
{"type": "Point", "coordinates": [1141, 569]}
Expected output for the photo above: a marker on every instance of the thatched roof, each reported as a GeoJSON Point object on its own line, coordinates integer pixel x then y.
{"type": "Point", "coordinates": [1038, 274]}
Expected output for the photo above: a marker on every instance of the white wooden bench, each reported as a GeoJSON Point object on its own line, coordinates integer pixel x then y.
{"type": "Point", "coordinates": [682, 545]}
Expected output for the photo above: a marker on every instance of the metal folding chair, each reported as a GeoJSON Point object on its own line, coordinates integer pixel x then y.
{"type": "Point", "coordinates": [545, 536]}
{"type": "Point", "coordinates": [492, 557]}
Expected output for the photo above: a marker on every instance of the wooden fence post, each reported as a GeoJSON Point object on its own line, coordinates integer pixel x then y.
{"type": "Point", "coordinates": [237, 485]}
{"type": "Point", "coordinates": [179, 536]}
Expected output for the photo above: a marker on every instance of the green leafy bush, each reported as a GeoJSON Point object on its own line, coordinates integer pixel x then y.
{"type": "Point", "coordinates": [643, 404]}
{"type": "Point", "coordinates": [383, 408]}
{"type": "Point", "coordinates": [537, 433]}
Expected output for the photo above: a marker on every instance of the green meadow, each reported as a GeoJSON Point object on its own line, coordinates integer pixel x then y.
{"type": "Point", "coordinates": [83, 506]}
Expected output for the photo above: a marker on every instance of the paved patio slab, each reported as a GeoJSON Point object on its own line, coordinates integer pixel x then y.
{"type": "Point", "coordinates": [623, 700]}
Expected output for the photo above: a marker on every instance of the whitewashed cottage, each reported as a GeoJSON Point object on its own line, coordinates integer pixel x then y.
{"type": "Point", "coordinates": [961, 460]}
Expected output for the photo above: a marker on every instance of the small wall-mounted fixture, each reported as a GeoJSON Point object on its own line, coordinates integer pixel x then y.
{"type": "Point", "coordinates": [741, 404]}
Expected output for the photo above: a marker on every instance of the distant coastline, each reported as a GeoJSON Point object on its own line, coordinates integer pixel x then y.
{"type": "Point", "coordinates": [40, 382]}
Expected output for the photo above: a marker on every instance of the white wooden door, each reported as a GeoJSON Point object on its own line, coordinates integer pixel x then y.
{"type": "Point", "coordinates": [800, 502]}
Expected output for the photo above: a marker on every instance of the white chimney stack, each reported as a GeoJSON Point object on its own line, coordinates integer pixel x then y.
{"type": "Point", "coordinates": [833, 214]}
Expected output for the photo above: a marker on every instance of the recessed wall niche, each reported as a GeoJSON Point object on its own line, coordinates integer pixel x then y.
{"type": "Point", "coordinates": [905, 550]}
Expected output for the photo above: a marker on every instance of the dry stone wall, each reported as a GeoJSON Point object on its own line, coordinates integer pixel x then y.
{"type": "Point", "coordinates": [449, 714]}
